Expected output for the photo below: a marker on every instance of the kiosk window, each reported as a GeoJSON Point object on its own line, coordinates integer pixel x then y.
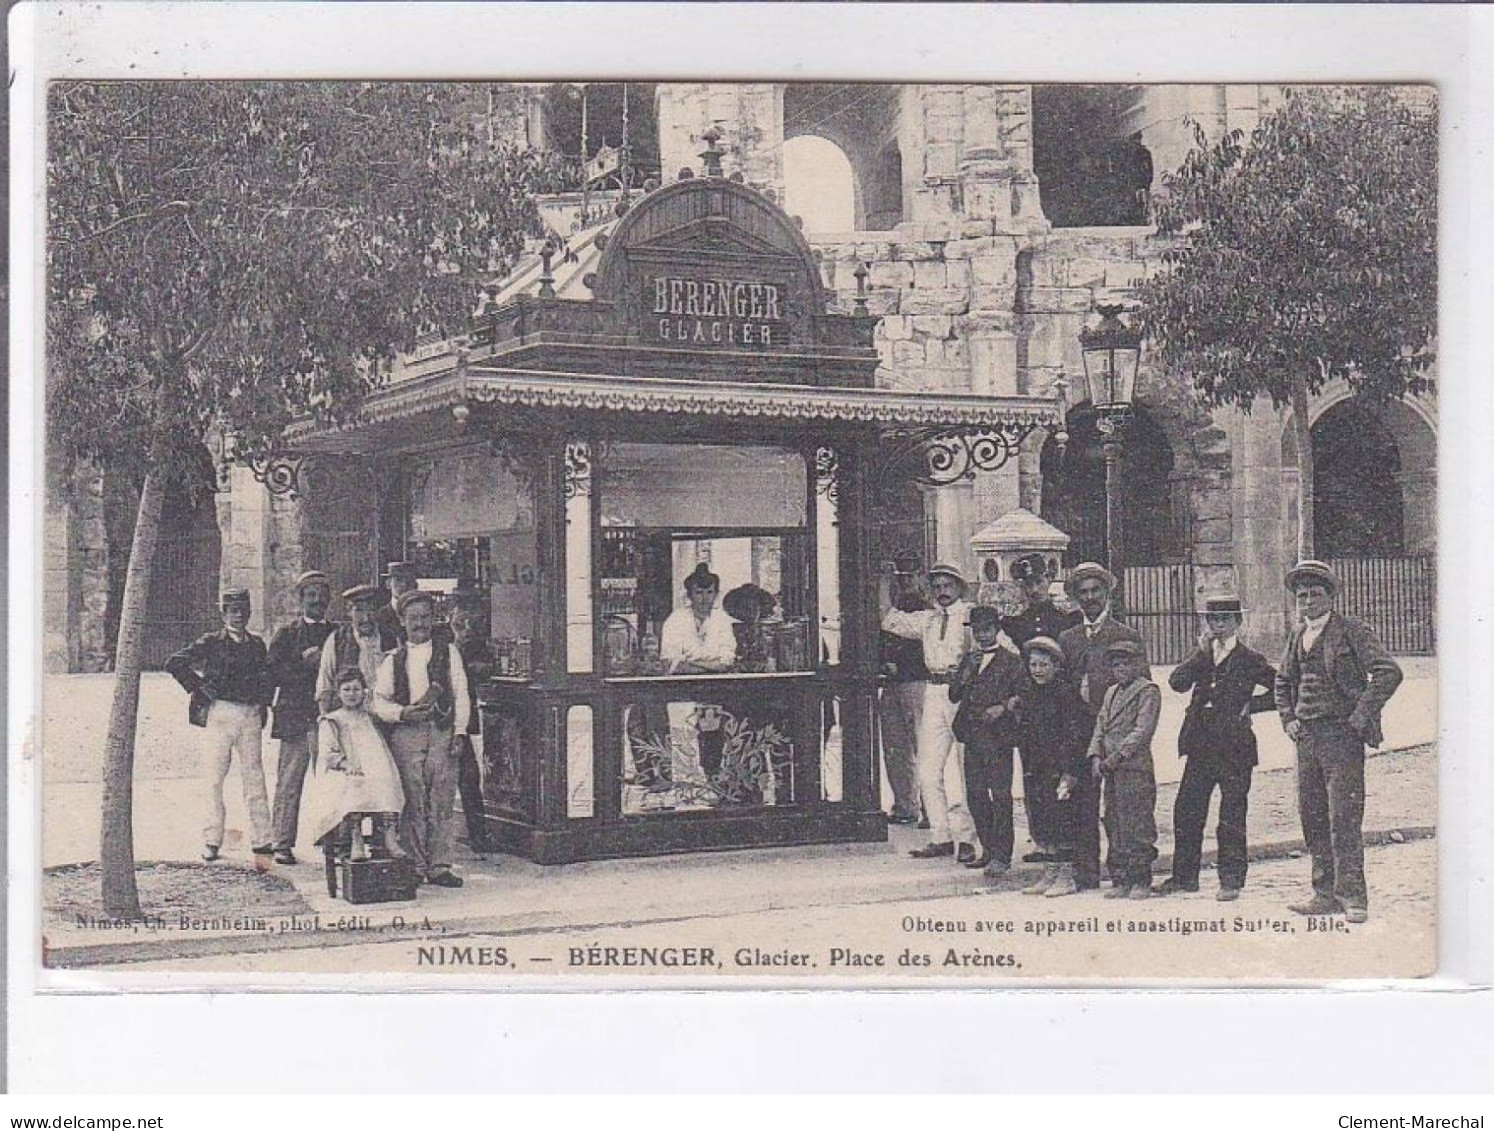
{"type": "Point", "coordinates": [740, 512]}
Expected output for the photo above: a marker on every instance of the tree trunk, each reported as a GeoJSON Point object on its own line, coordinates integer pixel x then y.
{"type": "Point", "coordinates": [121, 899]}
{"type": "Point", "coordinates": [1302, 431]}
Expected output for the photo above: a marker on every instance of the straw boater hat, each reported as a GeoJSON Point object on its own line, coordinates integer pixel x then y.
{"type": "Point", "coordinates": [358, 594]}
{"type": "Point", "coordinates": [1312, 571]}
{"type": "Point", "coordinates": [412, 597]}
{"type": "Point", "coordinates": [1223, 603]}
{"type": "Point", "coordinates": [1045, 644]}
{"type": "Point", "coordinates": [309, 577]}
{"type": "Point", "coordinates": [234, 597]}
{"type": "Point", "coordinates": [946, 570]}
{"type": "Point", "coordinates": [1084, 570]}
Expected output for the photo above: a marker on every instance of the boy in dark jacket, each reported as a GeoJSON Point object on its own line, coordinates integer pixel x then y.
{"type": "Point", "coordinates": [1220, 747]}
{"type": "Point", "coordinates": [1053, 736]}
{"type": "Point", "coordinates": [986, 686]}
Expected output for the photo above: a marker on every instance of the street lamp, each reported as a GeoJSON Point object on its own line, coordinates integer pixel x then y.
{"type": "Point", "coordinates": [1112, 355]}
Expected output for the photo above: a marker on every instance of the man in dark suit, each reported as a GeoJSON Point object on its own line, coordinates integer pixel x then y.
{"type": "Point", "coordinates": [1220, 747]}
{"type": "Point", "coordinates": [1334, 680]}
{"type": "Point", "coordinates": [986, 686]}
{"type": "Point", "coordinates": [227, 675]}
{"type": "Point", "coordinates": [295, 654]}
{"type": "Point", "coordinates": [1090, 585]}
{"type": "Point", "coordinates": [402, 580]}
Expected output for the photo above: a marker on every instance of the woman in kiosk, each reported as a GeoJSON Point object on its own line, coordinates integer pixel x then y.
{"type": "Point", "coordinates": [698, 639]}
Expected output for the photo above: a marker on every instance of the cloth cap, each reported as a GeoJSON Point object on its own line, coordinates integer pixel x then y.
{"type": "Point", "coordinates": [1087, 570]}
{"type": "Point", "coordinates": [983, 614]}
{"type": "Point", "coordinates": [1029, 567]}
{"type": "Point", "coordinates": [234, 597]}
{"type": "Point", "coordinates": [1045, 644]}
{"type": "Point", "coordinates": [945, 570]}
{"type": "Point", "coordinates": [414, 596]}
{"type": "Point", "coordinates": [1223, 603]}
{"type": "Point", "coordinates": [307, 578]}
{"type": "Point", "coordinates": [357, 594]}
{"type": "Point", "coordinates": [1314, 572]}
{"type": "Point", "coordinates": [1124, 648]}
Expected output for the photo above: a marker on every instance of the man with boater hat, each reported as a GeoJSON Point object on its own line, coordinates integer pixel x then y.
{"type": "Point", "coordinates": [1334, 680]}
{"type": "Point", "coordinates": [227, 674]}
{"type": "Point", "coordinates": [900, 705]}
{"type": "Point", "coordinates": [295, 655]}
{"type": "Point", "coordinates": [944, 638]}
{"type": "Point", "coordinates": [421, 694]}
{"type": "Point", "coordinates": [1219, 745]}
{"type": "Point", "coordinates": [1090, 586]}
{"type": "Point", "coordinates": [359, 643]}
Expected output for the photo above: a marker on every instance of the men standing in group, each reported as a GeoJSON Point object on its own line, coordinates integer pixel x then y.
{"type": "Point", "coordinates": [1091, 586]}
{"type": "Point", "coordinates": [227, 674]}
{"type": "Point", "coordinates": [359, 643]}
{"type": "Point", "coordinates": [1041, 617]}
{"type": "Point", "coordinates": [1219, 744]}
{"type": "Point", "coordinates": [943, 636]}
{"type": "Point", "coordinates": [402, 580]}
{"type": "Point", "coordinates": [1334, 680]}
{"type": "Point", "coordinates": [421, 693]}
{"type": "Point", "coordinates": [900, 706]}
{"type": "Point", "coordinates": [295, 655]}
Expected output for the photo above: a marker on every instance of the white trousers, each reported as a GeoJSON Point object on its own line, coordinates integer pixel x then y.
{"type": "Point", "coordinates": [949, 819]}
{"type": "Point", "coordinates": [234, 728]}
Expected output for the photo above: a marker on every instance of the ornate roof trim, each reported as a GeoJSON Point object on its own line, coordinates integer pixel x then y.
{"type": "Point", "coordinates": [573, 392]}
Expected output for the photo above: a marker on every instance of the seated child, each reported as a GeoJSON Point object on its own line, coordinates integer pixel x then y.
{"type": "Point", "coordinates": [355, 775]}
{"type": "Point", "coordinates": [1121, 752]}
{"type": "Point", "coordinates": [1053, 738]}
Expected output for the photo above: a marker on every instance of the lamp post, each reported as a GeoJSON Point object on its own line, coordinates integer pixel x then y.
{"type": "Point", "coordinates": [1112, 355]}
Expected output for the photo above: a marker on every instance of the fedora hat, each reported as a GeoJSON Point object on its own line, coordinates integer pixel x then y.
{"type": "Point", "coordinates": [1311, 570]}
{"type": "Point", "coordinates": [1086, 570]}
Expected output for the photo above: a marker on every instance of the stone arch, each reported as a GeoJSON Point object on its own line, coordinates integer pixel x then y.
{"type": "Point", "coordinates": [1375, 474]}
{"type": "Point", "coordinates": [860, 119]}
{"type": "Point", "coordinates": [848, 194]}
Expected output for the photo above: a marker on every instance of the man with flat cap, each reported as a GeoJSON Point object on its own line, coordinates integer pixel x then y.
{"type": "Point", "coordinates": [1041, 617]}
{"type": "Point", "coordinates": [359, 643]}
{"type": "Point", "coordinates": [1334, 680]}
{"type": "Point", "coordinates": [1219, 745]}
{"type": "Point", "coordinates": [402, 580]}
{"type": "Point", "coordinates": [227, 674]}
{"type": "Point", "coordinates": [904, 677]}
{"type": "Point", "coordinates": [295, 655]}
{"type": "Point", "coordinates": [942, 633]}
{"type": "Point", "coordinates": [1090, 586]}
{"type": "Point", "coordinates": [421, 694]}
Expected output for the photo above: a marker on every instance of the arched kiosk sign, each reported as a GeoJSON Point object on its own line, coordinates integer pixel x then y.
{"type": "Point", "coordinates": [669, 397]}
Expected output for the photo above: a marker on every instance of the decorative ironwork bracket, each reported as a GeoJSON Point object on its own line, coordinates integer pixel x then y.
{"type": "Point", "coordinates": [827, 474]}
{"type": "Point", "coordinates": [940, 456]}
{"type": "Point", "coordinates": [283, 475]}
{"type": "Point", "coordinates": [577, 468]}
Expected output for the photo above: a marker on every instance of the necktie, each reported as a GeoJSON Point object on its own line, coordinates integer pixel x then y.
{"type": "Point", "coordinates": [943, 623]}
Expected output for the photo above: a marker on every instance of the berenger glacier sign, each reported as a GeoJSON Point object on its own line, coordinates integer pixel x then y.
{"type": "Point", "coordinates": [719, 312]}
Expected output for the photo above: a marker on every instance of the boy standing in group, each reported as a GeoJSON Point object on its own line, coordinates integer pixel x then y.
{"type": "Point", "coordinates": [1120, 752]}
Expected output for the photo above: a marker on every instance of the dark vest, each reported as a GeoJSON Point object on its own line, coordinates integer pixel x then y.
{"type": "Point", "coordinates": [439, 672]}
{"type": "Point", "coordinates": [345, 648]}
{"type": "Point", "coordinates": [1318, 697]}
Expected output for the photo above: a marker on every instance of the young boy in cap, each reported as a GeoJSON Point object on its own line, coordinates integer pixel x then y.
{"type": "Point", "coordinates": [985, 688]}
{"type": "Point", "coordinates": [1054, 738]}
{"type": "Point", "coordinates": [1120, 752]}
{"type": "Point", "coordinates": [1334, 680]}
{"type": "Point", "coordinates": [227, 674]}
{"type": "Point", "coordinates": [1219, 744]}
{"type": "Point", "coordinates": [295, 655]}
{"type": "Point", "coordinates": [942, 633]}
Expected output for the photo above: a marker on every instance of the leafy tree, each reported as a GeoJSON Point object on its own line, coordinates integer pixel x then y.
{"type": "Point", "coordinates": [1308, 253]}
{"type": "Point", "coordinates": [233, 255]}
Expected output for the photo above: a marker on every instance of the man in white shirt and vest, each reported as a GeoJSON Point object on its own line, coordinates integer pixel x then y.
{"type": "Point", "coordinates": [945, 639]}
{"type": "Point", "coordinates": [421, 693]}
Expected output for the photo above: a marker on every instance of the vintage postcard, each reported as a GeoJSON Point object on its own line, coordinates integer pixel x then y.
{"type": "Point", "coordinates": [823, 533]}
